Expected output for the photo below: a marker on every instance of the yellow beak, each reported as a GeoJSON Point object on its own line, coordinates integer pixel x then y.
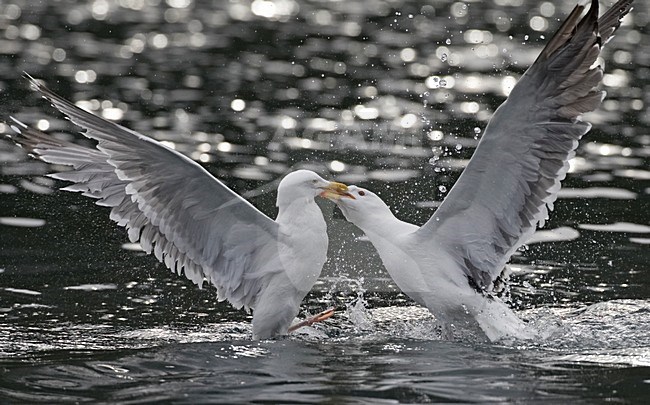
{"type": "Point", "coordinates": [335, 191]}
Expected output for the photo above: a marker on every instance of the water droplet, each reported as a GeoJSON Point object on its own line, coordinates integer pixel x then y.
{"type": "Point", "coordinates": [530, 288]}
{"type": "Point", "coordinates": [432, 82]}
{"type": "Point", "coordinates": [442, 189]}
{"type": "Point", "coordinates": [477, 130]}
{"type": "Point", "coordinates": [459, 147]}
{"type": "Point", "coordinates": [443, 83]}
{"type": "Point", "coordinates": [443, 57]}
{"type": "Point", "coordinates": [448, 41]}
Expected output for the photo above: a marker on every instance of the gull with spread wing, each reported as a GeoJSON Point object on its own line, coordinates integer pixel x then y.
{"type": "Point", "coordinates": [454, 262]}
{"type": "Point", "coordinates": [191, 221]}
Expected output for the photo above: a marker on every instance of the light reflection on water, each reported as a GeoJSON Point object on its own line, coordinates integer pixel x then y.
{"type": "Point", "coordinates": [389, 95]}
{"type": "Point", "coordinates": [197, 365]}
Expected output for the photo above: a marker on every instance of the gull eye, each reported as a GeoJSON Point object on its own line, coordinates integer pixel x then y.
{"type": "Point", "coordinates": [362, 193]}
{"type": "Point", "coordinates": [314, 181]}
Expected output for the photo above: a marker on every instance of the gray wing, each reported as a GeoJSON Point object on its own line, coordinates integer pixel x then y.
{"type": "Point", "coordinates": [168, 203]}
{"type": "Point", "coordinates": [514, 175]}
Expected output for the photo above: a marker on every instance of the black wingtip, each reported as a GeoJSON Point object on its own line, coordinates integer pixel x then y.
{"type": "Point", "coordinates": [591, 18]}
{"type": "Point", "coordinates": [592, 15]}
{"type": "Point", "coordinates": [611, 20]}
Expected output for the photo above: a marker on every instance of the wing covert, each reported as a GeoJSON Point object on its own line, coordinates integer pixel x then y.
{"type": "Point", "coordinates": [168, 203]}
{"type": "Point", "coordinates": [513, 177]}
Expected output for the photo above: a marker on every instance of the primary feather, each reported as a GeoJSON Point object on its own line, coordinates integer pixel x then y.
{"type": "Point", "coordinates": [453, 263]}
{"type": "Point", "coordinates": [191, 221]}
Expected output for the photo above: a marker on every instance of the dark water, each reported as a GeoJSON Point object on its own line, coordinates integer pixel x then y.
{"type": "Point", "coordinates": [389, 95]}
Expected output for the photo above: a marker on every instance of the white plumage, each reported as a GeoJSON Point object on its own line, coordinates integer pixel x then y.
{"type": "Point", "coordinates": [191, 221]}
{"type": "Point", "coordinates": [452, 264]}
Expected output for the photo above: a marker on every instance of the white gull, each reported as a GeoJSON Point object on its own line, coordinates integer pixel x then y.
{"type": "Point", "coordinates": [453, 264]}
{"type": "Point", "coordinates": [191, 221]}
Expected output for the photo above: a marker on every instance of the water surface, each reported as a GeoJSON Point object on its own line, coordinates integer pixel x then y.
{"type": "Point", "coordinates": [392, 96]}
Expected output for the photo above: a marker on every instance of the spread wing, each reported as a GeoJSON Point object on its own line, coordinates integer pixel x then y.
{"type": "Point", "coordinates": [168, 203]}
{"type": "Point", "coordinates": [513, 177]}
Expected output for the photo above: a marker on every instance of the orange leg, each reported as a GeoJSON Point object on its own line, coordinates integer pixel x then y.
{"type": "Point", "coordinates": [310, 321]}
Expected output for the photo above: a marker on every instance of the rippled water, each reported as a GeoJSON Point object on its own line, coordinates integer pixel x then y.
{"type": "Point", "coordinates": [389, 95]}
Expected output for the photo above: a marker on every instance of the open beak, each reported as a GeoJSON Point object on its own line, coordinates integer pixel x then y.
{"type": "Point", "coordinates": [335, 191]}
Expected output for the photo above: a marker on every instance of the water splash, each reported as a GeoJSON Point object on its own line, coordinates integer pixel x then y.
{"type": "Point", "coordinates": [357, 311]}
{"type": "Point", "coordinates": [355, 317]}
{"type": "Point", "coordinates": [606, 332]}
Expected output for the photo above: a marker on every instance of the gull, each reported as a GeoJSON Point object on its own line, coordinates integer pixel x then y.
{"type": "Point", "coordinates": [454, 264]}
{"type": "Point", "coordinates": [191, 221]}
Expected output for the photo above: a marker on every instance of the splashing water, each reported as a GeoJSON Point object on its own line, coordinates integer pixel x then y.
{"type": "Point", "coordinates": [357, 311]}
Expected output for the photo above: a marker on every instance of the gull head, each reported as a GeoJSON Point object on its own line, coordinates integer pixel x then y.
{"type": "Point", "coordinates": [362, 206]}
{"type": "Point", "coordinates": [305, 183]}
